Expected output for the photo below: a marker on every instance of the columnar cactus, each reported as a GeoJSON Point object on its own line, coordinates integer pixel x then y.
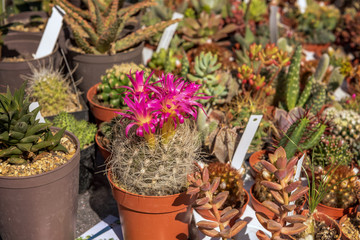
{"type": "Point", "coordinates": [22, 137]}
{"type": "Point", "coordinates": [285, 191]}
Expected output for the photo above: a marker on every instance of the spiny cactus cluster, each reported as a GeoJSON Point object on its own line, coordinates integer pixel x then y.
{"type": "Point", "coordinates": [52, 90]}
{"type": "Point", "coordinates": [230, 181]}
{"type": "Point", "coordinates": [109, 91]}
{"type": "Point", "coordinates": [347, 127]}
{"type": "Point", "coordinates": [108, 131]}
{"type": "Point", "coordinates": [143, 171]}
{"type": "Point", "coordinates": [331, 151]}
{"type": "Point", "coordinates": [342, 181]}
{"type": "Point", "coordinates": [285, 191]}
{"type": "Point", "coordinates": [83, 130]}
{"type": "Point", "coordinates": [97, 29]}
{"type": "Point", "coordinates": [201, 186]}
{"type": "Point", "coordinates": [22, 137]}
{"type": "Point", "coordinates": [215, 82]}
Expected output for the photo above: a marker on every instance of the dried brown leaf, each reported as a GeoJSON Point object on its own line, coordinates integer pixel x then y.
{"type": "Point", "coordinates": [295, 219]}
{"type": "Point", "coordinates": [292, 186]}
{"type": "Point", "coordinates": [270, 167]}
{"type": "Point", "coordinates": [272, 207]}
{"type": "Point", "coordinates": [293, 229]}
{"type": "Point", "coordinates": [215, 184]}
{"type": "Point", "coordinates": [298, 193]}
{"type": "Point", "coordinates": [229, 215]}
{"type": "Point", "coordinates": [220, 199]}
{"type": "Point", "coordinates": [207, 224]}
{"type": "Point", "coordinates": [273, 226]}
{"type": "Point", "coordinates": [271, 185]}
{"type": "Point", "coordinates": [278, 197]}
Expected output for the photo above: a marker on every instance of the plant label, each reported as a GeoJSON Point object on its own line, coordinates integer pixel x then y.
{"type": "Point", "coordinates": [147, 54]}
{"type": "Point", "coordinates": [340, 94]}
{"type": "Point", "coordinates": [297, 176]}
{"type": "Point", "coordinates": [51, 33]}
{"type": "Point", "coordinates": [245, 141]}
{"type": "Point", "coordinates": [273, 26]}
{"type": "Point", "coordinates": [302, 4]}
{"type": "Point", "coordinates": [34, 105]}
{"type": "Point", "coordinates": [169, 33]}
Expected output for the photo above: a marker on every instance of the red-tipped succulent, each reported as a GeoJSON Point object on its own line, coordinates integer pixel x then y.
{"type": "Point", "coordinates": [285, 191]}
{"type": "Point", "coordinates": [201, 187]}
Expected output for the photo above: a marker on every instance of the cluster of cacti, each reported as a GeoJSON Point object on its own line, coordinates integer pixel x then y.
{"type": "Point", "coordinates": [109, 91]}
{"type": "Point", "coordinates": [332, 151]}
{"type": "Point", "coordinates": [108, 131]}
{"type": "Point", "coordinates": [347, 127]}
{"type": "Point", "coordinates": [342, 184]}
{"type": "Point", "coordinates": [52, 90]}
{"type": "Point", "coordinates": [83, 130]}
{"type": "Point", "coordinates": [285, 191]}
{"type": "Point", "coordinates": [206, 29]}
{"type": "Point", "coordinates": [22, 136]}
{"type": "Point", "coordinates": [97, 29]}
{"type": "Point", "coordinates": [208, 6]}
{"type": "Point", "coordinates": [201, 186]}
{"type": "Point", "coordinates": [164, 60]}
{"type": "Point", "coordinates": [215, 82]}
{"type": "Point", "coordinates": [230, 181]}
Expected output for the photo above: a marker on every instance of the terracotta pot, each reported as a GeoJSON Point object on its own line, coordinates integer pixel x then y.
{"type": "Point", "coordinates": [253, 160]}
{"type": "Point", "coordinates": [207, 215]}
{"type": "Point", "coordinates": [101, 113]}
{"type": "Point", "coordinates": [258, 206]}
{"type": "Point", "coordinates": [327, 219]}
{"type": "Point", "coordinates": [152, 217]}
{"type": "Point", "coordinates": [104, 152]}
{"type": "Point", "coordinates": [335, 213]}
{"type": "Point", "coordinates": [345, 235]}
{"type": "Point", "coordinates": [91, 67]}
{"type": "Point", "coordinates": [41, 206]}
{"type": "Point", "coordinates": [16, 44]}
{"type": "Point", "coordinates": [318, 49]}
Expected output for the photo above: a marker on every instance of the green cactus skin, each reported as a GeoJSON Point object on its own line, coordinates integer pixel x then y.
{"type": "Point", "coordinates": [163, 60]}
{"type": "Point", "coordinates": [318, 98]}
{"type": "Point", "coordinates": [293, 86]}
{"type": "Point", "coordinates": [22, 136]}
{"type": "Point", "coordinates": [305, 94]}
{"type": "Point", "coordinates": [185, 65]}
{"type": "Point", "coordinates": [97, 30]}
{"type": "Point", "coordinates": [83, 130]}
{"type": "Point", "coordinates": [298, 136]}
{"type": "Point", "coordinates": [322, 67]}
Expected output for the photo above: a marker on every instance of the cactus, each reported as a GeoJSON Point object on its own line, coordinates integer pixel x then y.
{"type": "Point", "coordinates": [83, 130]}
{"type": "Point", "coordinates": [284, 191]}
{"type": "Point", "coordinates": [109, 92]}
{"type": "Point", "coordinates": [257, 9]}
{"type": "Point", "coordinates": [97, 30]}
{"type": "Point", "coordinates": [206, 199]}
{"type": "Point", "coordinates": [332, 150]}
{"type": "Point", "coordinates": [215, 82]}
{"type": "Point", "coordinates": [208, 6]}
{"type": "Point", "coordinates": [164, 60]}
{"type": "Point", "coordinates": [52, 90]}
{"type": "Point", "coordinates": [342, 182]}
{"type": "Point", "coordinates": [22, 137]}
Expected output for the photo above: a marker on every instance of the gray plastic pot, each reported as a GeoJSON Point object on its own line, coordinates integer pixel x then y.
{"type": "Point", "coordinates": [41, 206]}
{"type": "Point", "coordinates": [16, 44]}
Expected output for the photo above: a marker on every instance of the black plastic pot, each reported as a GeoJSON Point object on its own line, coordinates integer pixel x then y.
{"type": "Point", "coordinates": [20, 44]}
{"type": "Point", "coordinates": [41, 206]}
{"type": "Point", "coordinates": [87, 168]}
{"type": "Point", "coordinates": [91, 67]}
{"type": "Point", "coordinates": [25, 18]}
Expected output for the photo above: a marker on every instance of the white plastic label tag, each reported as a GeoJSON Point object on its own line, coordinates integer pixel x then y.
{"type": "Point", "coordinates": [340, 94]}
{"type": "Point", "coordinates": [147, 54]}
{"type": "Point", "coordinates": [169, 33]}
{"type": "Point", "coordinates": [302, 4]}
{"type": "Point", "coordinates": [297, 176]}
{"type": "Point", "coordinates": [51, 33]}
{"type": "Point", "coordinates": [34, 105]}
{"type": "Point", "coordinates": [245, 141]}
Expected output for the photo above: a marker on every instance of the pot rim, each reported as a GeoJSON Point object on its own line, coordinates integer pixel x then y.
{"type": "Point", "coordinates": [90, 95]}
{"type": "Point", "coordinates": [336, 209]}
{"type": "Point", "coordinates": [77, 152]}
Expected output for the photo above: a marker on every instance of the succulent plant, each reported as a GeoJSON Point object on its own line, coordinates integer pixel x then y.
{"type": "Point", "coordinates": [109, 90]}
{"type": "Point", "coordinates": [208, 6]}
{"type": "Point", "coordinates": [83, 130]}
{"type": "Point", "coordinates": [206, 29]}
{"type": "Point", "coordinates": [108, 132]}
{"type": "Point", "coordinates": [52, 90]}
{"type": "Point", "coordinates": [215, 82]}
{"type": "Point", "coordinates": [285, 191]}
{"type": "Point", "coordinates": [164, 60]}
{"type": "Point", "coordinates": [331, 151]}
{"type": "Point", "coordinates": [97, 30]}
{"type": "Point", "coordinates": [207, 199]}
{"type": "Point", "coordinates": [257, 9]}
{"type": "Point", "coordinates": [22, 137]}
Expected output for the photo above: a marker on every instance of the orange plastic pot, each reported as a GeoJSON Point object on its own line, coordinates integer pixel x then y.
{"type": "Point", "coordinates": [253, 160]}
{"type": "Point", "coordinates": [101, 113]}
{"type": "Point", "coordinates": [103, 151]}
{"type": "Point", "coordinates": [152, 217]}
{"type": "Point", "coordinates": [335, 213]}
{"type": "Point", "coordinates": [318, 49]}
{"type": "Point", "coordinates": [345, 235]}
{"type": "Point", "coordinates": [258, 206]}
{"type": "Point", "coordinates": [322, 217]}
{"type": "Point", "coordinates": [207, 214]}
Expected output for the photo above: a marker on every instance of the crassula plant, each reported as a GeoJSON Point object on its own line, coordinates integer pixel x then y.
{"type": "Point", "coordinates": [157, 145]}
{"type": "Point", "coordinates": [285, 191]}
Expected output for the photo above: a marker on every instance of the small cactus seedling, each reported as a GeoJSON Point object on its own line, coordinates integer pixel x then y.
{"type": "Point", "coordinates": [284, 191]}
{"type": "Point", "coordinates": [206, 199]}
